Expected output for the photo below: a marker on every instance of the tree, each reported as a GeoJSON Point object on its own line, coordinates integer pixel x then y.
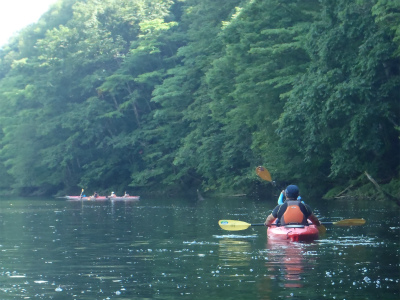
{"type": "Point", "coordinates": [340, 114]}
{"type": "Point", "coordinates": [246, 86]}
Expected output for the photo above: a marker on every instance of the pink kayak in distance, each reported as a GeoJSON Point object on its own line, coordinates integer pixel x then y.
{"type": "Point", "coordinates": [102, 198]}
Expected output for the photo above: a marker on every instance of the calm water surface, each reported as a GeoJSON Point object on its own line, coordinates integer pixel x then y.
{"type": "Point", "coordinates": [174, 249]}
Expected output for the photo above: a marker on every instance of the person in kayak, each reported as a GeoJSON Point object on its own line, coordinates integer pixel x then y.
{"type": "Point", "coordinates": [95, 195]}
{"type": "Point", "coordinates": [293, 211]}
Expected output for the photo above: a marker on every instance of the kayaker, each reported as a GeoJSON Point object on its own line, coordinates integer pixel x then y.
{"type": "Point", "coordinates": [95, 195]}
{"type": "Point", "coordinates": [126, 194]}
{"type": "Point", "coordinates": [112, 195]}
{"type": "Point", "coordinates": [293, 211]}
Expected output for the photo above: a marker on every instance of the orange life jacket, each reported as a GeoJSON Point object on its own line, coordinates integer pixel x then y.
{"type": "Point", "coordinates": [293, 214]}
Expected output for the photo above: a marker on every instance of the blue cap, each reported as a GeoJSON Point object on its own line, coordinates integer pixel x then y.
{"type": "Point", "coordinates": [292, 191]}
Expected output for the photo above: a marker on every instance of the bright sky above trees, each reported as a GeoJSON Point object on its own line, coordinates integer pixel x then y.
{"type": "Point", "coordinates": [17, 14]}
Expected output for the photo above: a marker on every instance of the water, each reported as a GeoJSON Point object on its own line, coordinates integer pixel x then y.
{"type": "Point", "coordinates": [174, 249]}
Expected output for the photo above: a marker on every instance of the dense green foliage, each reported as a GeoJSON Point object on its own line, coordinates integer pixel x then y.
{"type": "Point", "coordinates": [150, 94]}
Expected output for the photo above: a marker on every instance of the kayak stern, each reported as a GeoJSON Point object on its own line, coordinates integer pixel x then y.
{"type": "Point", "coordinates": [294, 233]}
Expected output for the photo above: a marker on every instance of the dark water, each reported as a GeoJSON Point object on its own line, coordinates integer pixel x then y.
{"type": "Point", "coordinates": [174, 249]}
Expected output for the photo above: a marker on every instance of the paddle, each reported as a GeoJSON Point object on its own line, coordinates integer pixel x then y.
{"type": "Point", "coordinates": [264, 174]}
{"type": "Point", "coordinates": [234, 225]}
{"type": "Point", "coordinates": [347, 222]}
{"type": "Point", "coordinates": [80, 196]}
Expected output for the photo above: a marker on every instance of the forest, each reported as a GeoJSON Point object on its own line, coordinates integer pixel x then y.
{"type": "Point", "coordinates": [179, 95]}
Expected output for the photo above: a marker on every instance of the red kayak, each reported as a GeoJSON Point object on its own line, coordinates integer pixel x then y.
{"type": "Point", "coordinates": [294, 233]}
{"type": "Point", "coordinates": [102, 198]}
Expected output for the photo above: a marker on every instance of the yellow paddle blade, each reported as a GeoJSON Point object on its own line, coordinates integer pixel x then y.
{"type": "Point", "coordinates": [233, 225]}
{"type": "Point", "coordinates": [321, 229]}
{"type": "Point", "coordinates": [263, 173]}
{"type": "Point", "coordinates": [350, 222]}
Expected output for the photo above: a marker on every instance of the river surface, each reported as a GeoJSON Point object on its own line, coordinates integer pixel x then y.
{"type": "Point", "coordinates": [170, 248]}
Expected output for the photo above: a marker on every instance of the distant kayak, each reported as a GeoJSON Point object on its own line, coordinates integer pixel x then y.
{"type": "Point", "coordinates": [294, 233]}
{"type": "Point", "coordinates": [102, 198]}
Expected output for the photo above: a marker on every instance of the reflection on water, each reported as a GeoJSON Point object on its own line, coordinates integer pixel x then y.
{"type": "Point", "coordinates": [169, 249]}
{"type": "Point", "coordinates": [352, 241]}
{"type": "Point", "coordinates": [234, 252]}
{"type": "Point", "coordinates": [287, 257]}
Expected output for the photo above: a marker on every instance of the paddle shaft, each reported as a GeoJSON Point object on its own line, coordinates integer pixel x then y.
{"type": "Point", "coordinates": [327, 223]}
{"type": "Point", "coordinates": [322, 223]}
{"type": "Point", "coordinates": [234, 225]}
